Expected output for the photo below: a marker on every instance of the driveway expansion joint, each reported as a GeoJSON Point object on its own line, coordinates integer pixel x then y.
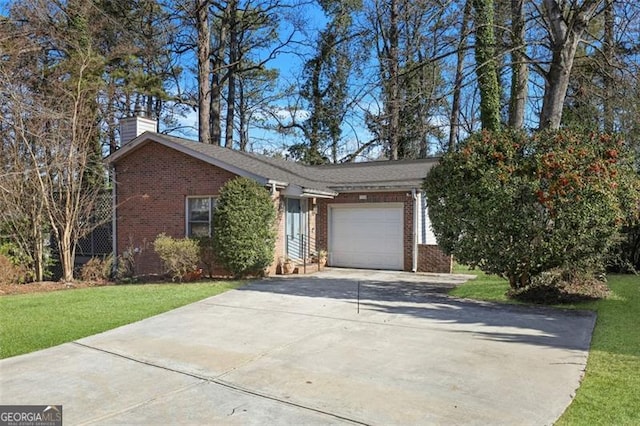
{"type": "Point", "coordinates": [140, 404]}
{"type": "Point", "coordinates": [216, 381]}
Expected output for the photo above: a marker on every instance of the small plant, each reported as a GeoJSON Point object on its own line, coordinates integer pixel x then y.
{"type": "Point", "coordinates": [322, 258]}
{"type": "Point", "coordinates": [10, 273]}
{"type": "Point", "coordinates": [97, 269]}
{"type": "Point", "coordinates": [126, 262]}
{"type": "Point", "coordinates": [179, 256]}
{"type": "Point", "coordinates": [23, 262]}
{"type": "Point", "coordinates": [287, 266]}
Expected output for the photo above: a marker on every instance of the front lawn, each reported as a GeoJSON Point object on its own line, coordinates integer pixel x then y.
{"type": "Point", "coordinates": [483, 287]}
{"type": "Point", "coordinates": [610, 391]}
{"type": "Point", "coordinates": [36, 321]}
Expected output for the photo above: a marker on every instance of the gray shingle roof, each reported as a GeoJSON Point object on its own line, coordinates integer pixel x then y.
{"type": "Point", "coordinates": [401, 174]}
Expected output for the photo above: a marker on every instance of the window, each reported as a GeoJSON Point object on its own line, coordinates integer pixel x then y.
{"type": "Point", "coordinates": [199, 214]}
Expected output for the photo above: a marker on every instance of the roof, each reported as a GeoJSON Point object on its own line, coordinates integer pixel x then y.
{"type": "Point", "coordinates": [325, 180]}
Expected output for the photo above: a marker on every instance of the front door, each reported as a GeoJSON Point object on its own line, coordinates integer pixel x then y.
{"type": "Point", "coordinates": [295, 229]}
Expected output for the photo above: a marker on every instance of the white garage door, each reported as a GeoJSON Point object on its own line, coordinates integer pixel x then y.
{"type": "Point", "coordinates": [366, 236]}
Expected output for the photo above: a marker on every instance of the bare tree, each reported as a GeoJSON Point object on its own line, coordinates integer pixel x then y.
{"type": "Point", "coordinates": [22, 213]}
{"type": "Point", "coordinates": [50, 84]}
{"type": "Point", "coordinates": [454, 116]}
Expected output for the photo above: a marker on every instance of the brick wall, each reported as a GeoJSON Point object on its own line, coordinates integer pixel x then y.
{"type": "Point", "coordinates": [152, 184]}
{"type": "Point", "coordinates": [372, 197]}
{"type": "Point", "coordinates": [280, 238]}
{"type": "Point", "coordinates": [154, 181]}
{"type": "Point", "coordinates": [432, 259]}
{"type": "Point", "coordinates": [312, 224]}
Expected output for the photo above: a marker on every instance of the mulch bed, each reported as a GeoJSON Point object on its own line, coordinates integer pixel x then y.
{"type": "Point", "coordinates": [564, 292]}
{"type": "Point", "coordinates": [46, 286]}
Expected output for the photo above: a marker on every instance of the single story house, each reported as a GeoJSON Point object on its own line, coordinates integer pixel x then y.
{"type": "Point", "coordinates": [365, 215]}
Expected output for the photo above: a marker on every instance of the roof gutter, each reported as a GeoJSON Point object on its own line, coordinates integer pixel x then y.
{"type": "Point", "coordinates": [369, 188]}
{"type": "Point", "coordinates": [276, 184]}
{"type": "Point", "coordinates": [317, 193]}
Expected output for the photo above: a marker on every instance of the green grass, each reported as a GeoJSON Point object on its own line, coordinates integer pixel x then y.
{"type": "Point", "coordinates": [610, 391]}
{"type": "Point", "coordinates": [483, 287]}
{"type": "Point", "coordinates": [36, 321]}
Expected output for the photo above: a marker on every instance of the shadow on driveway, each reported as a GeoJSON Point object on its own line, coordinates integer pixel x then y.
{"type": "Point", "coordinates": [425, 296]}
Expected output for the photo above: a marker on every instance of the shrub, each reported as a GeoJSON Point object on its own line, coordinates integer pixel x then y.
{"type": "Point", "coordinates": [10, 273]}
{"type": "Point", "coordinates": [207, 254]}
{"type": "Point", "coordinates": [517, 205]}
{"type": "Point", "coordinates": [244, 232]}
{"type": "Point", "coordinates": [179, 256]}
{"type": "Point", "coordinates": [97, 269]}
{"type": "Point", "coordinates": [23, 263]}
{"type": "Point", "coordinates": [562, 286]}
{"type": "Point", "coordinates": [626, 256]}
{"type": "Point", "coordinates": [126, 262]}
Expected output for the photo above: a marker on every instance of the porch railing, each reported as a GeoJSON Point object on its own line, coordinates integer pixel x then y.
{"type": "Point", "coordinates": [305, 246]}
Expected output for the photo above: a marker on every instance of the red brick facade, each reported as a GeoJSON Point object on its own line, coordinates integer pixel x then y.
{"type": "Point", "coordinates": [432, 259]}
{"type": "Point", "coordinates": [152, 185]}
{"type": "Point", "coordinates": [154, 181]}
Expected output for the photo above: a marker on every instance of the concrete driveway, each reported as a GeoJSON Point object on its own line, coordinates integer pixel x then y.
{"type": "Point", "coordinates": [297, 351]}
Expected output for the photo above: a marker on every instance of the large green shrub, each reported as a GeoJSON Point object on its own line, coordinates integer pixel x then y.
{"type": "Point", "coordinates": [179, 256]}
{"type": "Point", "coordinates": [243, 227]}
{"type": "Point", "coordinates": [516, 205]}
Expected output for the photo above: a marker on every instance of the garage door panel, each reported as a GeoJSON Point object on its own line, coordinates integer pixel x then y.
{"type": "Point", "coordinates": [367, 237]}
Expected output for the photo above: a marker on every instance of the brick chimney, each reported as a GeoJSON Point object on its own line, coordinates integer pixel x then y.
{"type": "Point", "coordinates": [132, 127]}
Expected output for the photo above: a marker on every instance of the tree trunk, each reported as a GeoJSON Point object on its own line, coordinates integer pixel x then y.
{"type": "Point", "coordinates": [231, 80]}
{"type": "Point", "coordinates": [242, 118]}
{"type": "Point", "coordinates": [486, 65]}
{"type": "Point", "coordinates": [67, 256]}
{"type": "Point", "coordinates": [393, 132]}
{"type": "Point", "coordinates": [217, 81]}
{"type": "Point", "coordinates": [319, 112]}
{"type": "Point", "coordinates": [609, 67]}
{"type": "Point", "coordinates": [566, 32]}
{"type": "Point", "coordinates": [556, 84]}
{"type": "Point", "coordinates": [38, 245]}
{"type": "Point", "coordinates": [454, 120]}
{"type": "Point", "coordinates": [110, 116]}
{"type": "Point", "coordinates": [215, 107]}
{"type": "Point", "coordinates": [519, 68]}
{"type": "Point", "coordinates": [204, 88]}
{"type": "Point", "coordinates": [38, 266]}
{"type": "Point", "coordinates": [231, 109]}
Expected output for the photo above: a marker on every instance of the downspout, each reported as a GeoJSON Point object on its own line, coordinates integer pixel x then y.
{"type": "Point", "coordinates": [273, 189]}
{"type": "Point", "coordinates": [114, 227]}
{"type": "Point", "coordinates": [414, 266]}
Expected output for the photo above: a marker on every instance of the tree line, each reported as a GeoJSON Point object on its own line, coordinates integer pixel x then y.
{"type": "Point", "coordinates": [390, 78]}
